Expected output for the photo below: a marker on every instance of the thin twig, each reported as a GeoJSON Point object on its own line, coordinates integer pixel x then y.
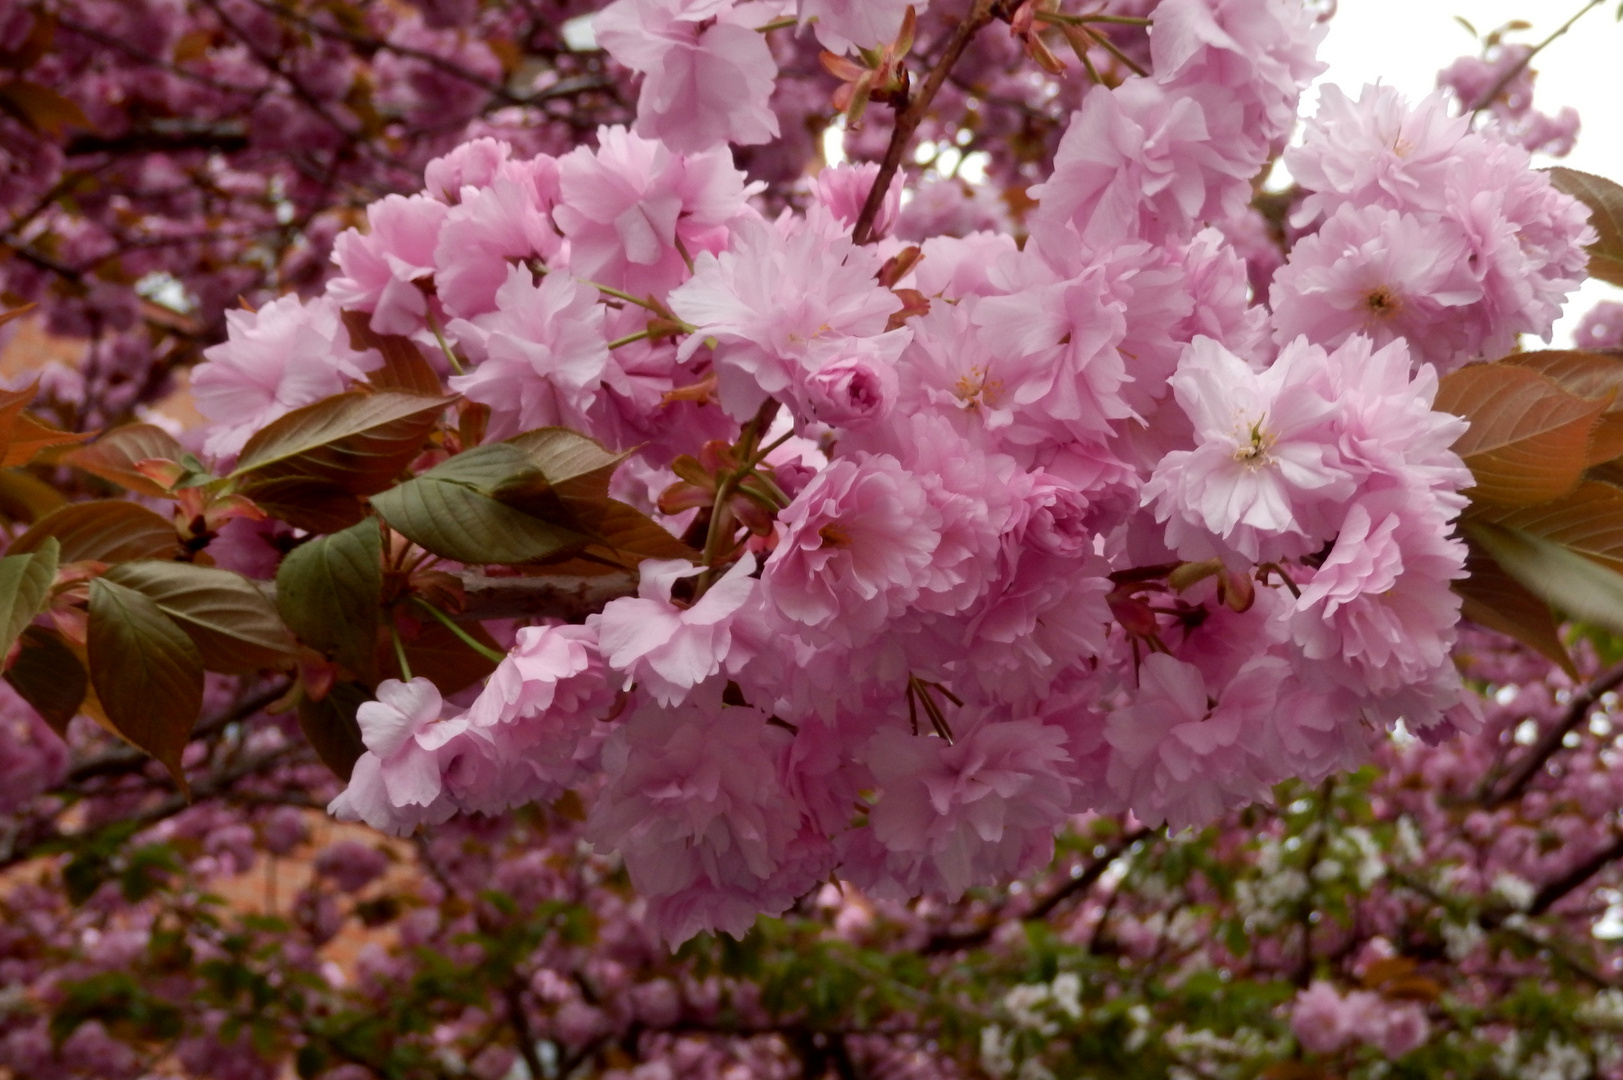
{"type": "Point", "coordinates": [909, 119]}
{"type": "Point", "coordinates": [1530, 764]}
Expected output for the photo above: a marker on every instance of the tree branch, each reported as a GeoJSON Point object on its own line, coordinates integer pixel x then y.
{"type": "Point", "coordinates": [1556, 890]}
{"type": "Point", "coordinates": [909, 119]}
{"type": "Point", "coordinates": [1530, 764]}
{"type": "Point", "coordinates": [1090, 875]}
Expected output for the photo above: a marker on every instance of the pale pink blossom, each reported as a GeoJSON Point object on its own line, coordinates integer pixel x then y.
{"type": "Point", "coordinates": [707, 73]}
{"type": "Point", "coordinates": [1265, 458]}
{"type": "Point", "coordinates": [381, 268]}
{"type": "Point", "coordinates": [1386, 275]}
{"type": "Point", "coordinates": [843, 190]}
{"type": "Point", "coordinates": [632, 207]}
{"type": "Point", "coordinates": [847, 25]}
{"type": "Point", "coordinates": [1180, 758]}
{"type": "Point", "coordinates": [695, 805]}
{"type": "Point", "coordinates": [398, 783]}
{"type": "Point", "coordinates": [668, 650]}
{"type": "Point", "coordinates": [773, 293]}
{"type": "Point", "coordinates": [980, 810]}
{"type": "Point", "coordinates": [287, 354]}
{"type": "Point", "coordinates": [856, 548]}
{"type": "Point", "coordinates": [540, 357]}
{"type": "Point", "coordinates": [510, 218]}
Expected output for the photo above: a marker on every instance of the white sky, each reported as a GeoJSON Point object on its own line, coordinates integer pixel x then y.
{"type": "Point", "coordinates": [1404, 43]}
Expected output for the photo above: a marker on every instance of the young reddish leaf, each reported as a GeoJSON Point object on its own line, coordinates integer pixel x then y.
{"type": "Point", "coordinates": [233, 624]}
{"type": "Point", "coordinates": [25, 586]}
{"type": "Point", "coordinates": [1594, 375]}
{"type": "Point", "coordinates": [116, 454]}
{"type": "Point", "coordinates": [28, 438]}
{"type": "Point", "coordinates": [1493, 599]}
{"type": "Point", "coordinates": [455, 521]}
{"type": "Point", "coordinates": [49, 676]}
{"type": "Point", "coordinates": [404, 367]}
{"type": "Point", "coordinates": [1605, 202]}
{"type": "Point", "coordinates": [107, 530]}
{"type": "Point", "coordinates": [628, 536]}
{"type": "Point", "coordinates": [16, 313]}
{"type": "Point", "coordinates": [356, 440]}
{"type": "Point", "coordinates": [1589, 520]}
{"type": "Point", "coordinates": [331, 727]}
{"type": "Point", "coordinates": [42, 109]}
{"type": "Point", "coordinates": [27, 498]}
{"type": "Point", "coordinates": [1581, 588]}
{"type": "Point", "coordinates": [1529, 439]}
{"type": "Point", "coordinates": [147, 673]}
{"type": "Point", "coordinates": [329, 592]}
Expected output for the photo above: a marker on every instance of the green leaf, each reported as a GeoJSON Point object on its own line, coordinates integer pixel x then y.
{"type": "Point", "coordinates": [116, 454]}
{"type": "Point", "coordinates": [1528, 440]}
{"type": "Point", "coordinates": [1581, 588]}
{"type": "Point", "coordinates": [107, 530]}
{"type": "Point", "coordinates": [25, 586]}
{"type": "Point", "coordinates": [232, 623]}
{"type": "Point", "coordinates": [331, 727]}
{"type": "Point", "coordinates": [1605, 202]}
{"type": "Point", "coordinates": [576, 467]}
{"type": "Point", "coordinates": [330, 591]}
{"type": "Point", "coordinates": [147, 673]}
{"type": "Point", "coordinates": [455, 521]}
{"type": "Point", "coordinates": [1493, 599]}
{"type": "Point", "coordinates": [404, 367]}
{"type": "Point", "coordinates": [356, 440]}
{"type": "Point", "coordinates": [49, 676]}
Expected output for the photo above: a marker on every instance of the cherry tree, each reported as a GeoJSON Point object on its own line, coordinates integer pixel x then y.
{"type": "Point", "coordinates": [806, 547]}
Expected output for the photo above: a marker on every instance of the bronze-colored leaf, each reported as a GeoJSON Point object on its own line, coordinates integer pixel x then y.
{"type": "Point", "coordinates": [330, 591]}
{"type": "Point", "coordinates": [26, 498]}
{"type": "Point", "coordinates": [48, 675]}
{"type": "Point", "coordinates": [1528, 440]}
{"type": "Point", "coordinates": [25, 586]}
{"type": "Point", "coordinates": [628, 536]}
{"type": "Point", "coordinates": [308, 503]}
{"type": "Point", "coordinates": [1493, 599]}
{"type": "Point", "coordinates": [29, 438]}
{"type": "Point", "coordinates": [1594, 375]}
{"type": "Point", "coordinates": [107, 530]}
{"type": "Point", "coordinates": [359, 441]}
{"type": "Point", "coordinates": [116, 454]}
{"type": "Point", "coordinates": [1605, 202]}
{"type": "Point", "coordinates": [147, 673]}
{"type": "Point", "coordinates": [1589, 520]}
{"type": "Point", "coordinates": [404, 367]}
{"type": "Point", "coordinates": [232, 623]}
{"type": "Point", "coordinates": [331, 728]}
{"type": "Point", "coordinates": [41, 108]}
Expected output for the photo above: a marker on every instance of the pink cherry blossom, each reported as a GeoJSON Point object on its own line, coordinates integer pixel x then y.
{"type": "Point", "coordinates": [1265, 454]}
{"type": "Point", "coordinates": [382, 268]}
{"type": "Point", "coordinates": [665, 650]}
{"type": "Point", "coordinates": [541, 356]}
{"type": "Point", "coordinates": [707, 73]}
{"type": "Point", "coordinates": [287, 354]}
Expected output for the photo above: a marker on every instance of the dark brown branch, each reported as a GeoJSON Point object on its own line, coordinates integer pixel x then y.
{"type": "Point", "coordinates": [124, 760]}
{"type": "Point", "coordinates": [1090, 875]}
{"type": "Point", "coordinates": [909, 119]}
{"type": "Point", "coordinates": [1553, 892]}
{"type": "Point", "coordinates": [1530, 764]}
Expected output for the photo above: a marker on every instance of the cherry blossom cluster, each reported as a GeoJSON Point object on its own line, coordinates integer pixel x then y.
{"type": "Point", "coordinates": [990, 533]}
